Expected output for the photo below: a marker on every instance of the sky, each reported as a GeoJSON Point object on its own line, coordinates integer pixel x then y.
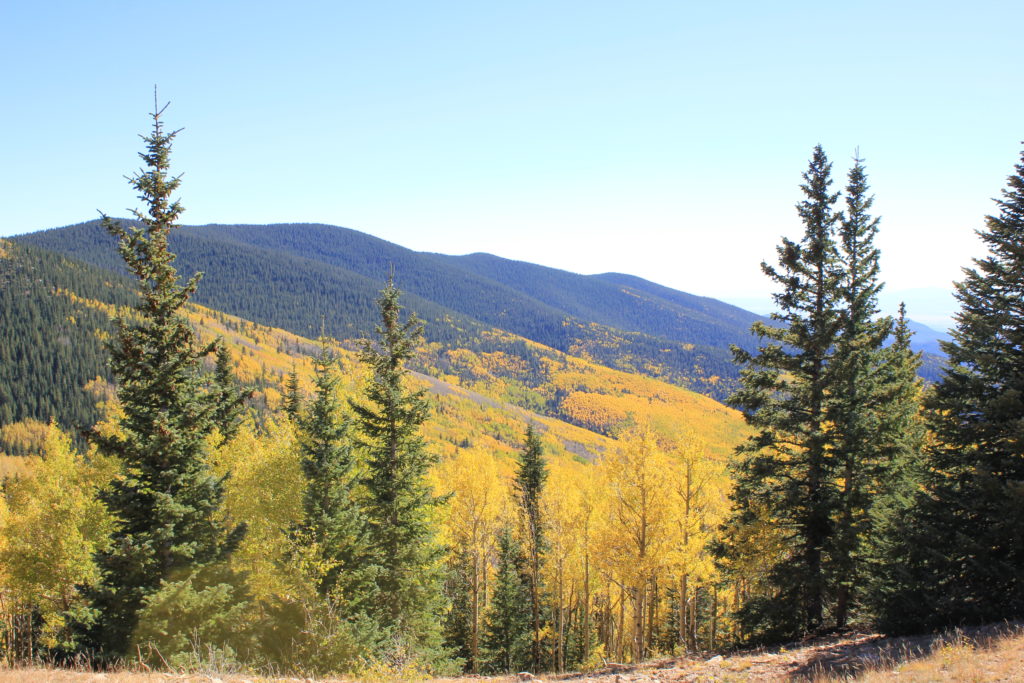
{"type": "Point", "coordinates": [662, 139]}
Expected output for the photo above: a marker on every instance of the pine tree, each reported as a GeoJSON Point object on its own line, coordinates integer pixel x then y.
{"type": "Point", "coordinates": [507, 636]}
{"type": "Point", "coordinates": [229, 399]}
{"type": "Point", "coordinates": [786, 467]}
{"type": "Point", "coordinates": [529, 487]}
{"type": "Point", "coordinates": [458, 622]}
{"type": "Point", "coordinates": [332, 519]}
{"type": "Point", "coordinates": [857, 406]}
{"type": "Point", "coordinates": [167, 500]}
{"type": "Point", "coordinates": [901, 437]}
{"type": "Point", "coordinates": [399, 502]}
{"type": "Point", "coordinates": [963, 550]}
{"type": "Point", "coordinates": [292, 397]}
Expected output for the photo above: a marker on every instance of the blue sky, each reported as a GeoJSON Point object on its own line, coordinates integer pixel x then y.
{"type": "Point", "coordinates": [663, 139]}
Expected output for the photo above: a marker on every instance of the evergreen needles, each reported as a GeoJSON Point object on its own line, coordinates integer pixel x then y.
{"type": "Point", "coordinates": [166, 500]}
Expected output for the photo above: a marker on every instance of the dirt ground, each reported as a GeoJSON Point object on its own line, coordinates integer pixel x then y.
{"type": "Point", "coordinates": [992, 653]}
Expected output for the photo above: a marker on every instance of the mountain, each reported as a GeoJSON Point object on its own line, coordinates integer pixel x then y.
{"type": "Point", "coordinates": [52, 340]}
{"type": "Point", "coordinates": [926, 339]}
{"type": "Point", "coordinates": [300, 277]}
{"type": "Point", "coordinates": [57, 312]}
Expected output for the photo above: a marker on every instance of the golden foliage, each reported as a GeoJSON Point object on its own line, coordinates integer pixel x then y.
{"type": "Point", "coordinates": [27, 436]}
{"type": "Point", "coordinates": [51, 526]}
{"type": "Point", "coordinates": [264, 492]}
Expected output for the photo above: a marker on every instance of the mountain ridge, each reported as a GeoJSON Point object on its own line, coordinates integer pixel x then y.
{"type": "Point", "coordinates": [288, 275]}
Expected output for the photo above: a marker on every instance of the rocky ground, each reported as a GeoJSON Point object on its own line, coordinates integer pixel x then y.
{"type": "Point", "coordinates": [992, 653]}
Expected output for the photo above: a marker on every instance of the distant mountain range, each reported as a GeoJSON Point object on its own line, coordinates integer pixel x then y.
{"type": "Point", "coordinates": [308, 277]}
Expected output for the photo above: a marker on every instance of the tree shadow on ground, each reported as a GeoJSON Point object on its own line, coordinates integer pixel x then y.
{"type": "Point", "coordinates": [872, 652]}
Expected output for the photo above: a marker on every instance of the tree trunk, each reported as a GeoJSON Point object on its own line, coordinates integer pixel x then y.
{"type": "Point", "coordinates": [474, 638]}
{"type": "Point", "coordinates": [682, 612]}
{"type": "Point", "coordinates": [714, 617]}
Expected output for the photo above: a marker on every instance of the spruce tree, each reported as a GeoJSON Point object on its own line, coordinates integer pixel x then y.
{"type": "Point", "coordinates": [858, 394]}
{"type": "Point", "coordinates": [507, 630]}
{"type": "Point", "coordinates": [166, 500]}
{"type": "Point", "coordinates": [228, 398]}
{"type": "Point", "coordinates": [399, 502]}
{"type": "Point", "coordinates": [901, 438]}
{"type": "Point", "coordinates": [292, 397]}
{"type": "Point", "coordinates": [458, 632]}
{"type": "Point", "coordinates": [786, 467]}
{"type": "Point", "coordinates": [332, 519]}
{"type": "Point", "coordinates": [963, 552]}
{"type": "Point", "coordinates": [529, 486]}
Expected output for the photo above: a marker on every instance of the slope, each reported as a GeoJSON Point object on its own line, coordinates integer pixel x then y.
{"type": "Point", "coordinates": [483, 397]}
{"type": "Point", "coordinates": [291, 276]}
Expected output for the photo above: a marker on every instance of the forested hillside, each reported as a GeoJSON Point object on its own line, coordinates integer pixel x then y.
{"type": "Point", "coordinates": [53, 339]}
{"type": "Point", "coordinates": [481, 402]}
{"type": "Point", "coordinates": [484, 392]}
{"type": "Point", "coordinates": [295, 276]}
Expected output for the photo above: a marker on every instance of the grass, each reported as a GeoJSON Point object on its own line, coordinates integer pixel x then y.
{"type": "Point", "coordinates": [986, 654]}
{"type": "Point", "coordinates": [989, 653]}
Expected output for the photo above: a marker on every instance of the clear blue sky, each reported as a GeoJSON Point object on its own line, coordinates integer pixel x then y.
{"type": "Point", "coordinates": [663, 139]}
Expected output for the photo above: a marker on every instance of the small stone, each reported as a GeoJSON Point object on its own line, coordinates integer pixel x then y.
{"type": "Point", "coordinates": [715, 660]}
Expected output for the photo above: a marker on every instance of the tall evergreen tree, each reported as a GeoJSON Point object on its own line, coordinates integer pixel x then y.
{"type": "Point", "coordinates": [529, 486]}
{"type": "Point", "coordinates": [458, 627]}
{"type": "Point", "coordinates": [786, 467]}
{"type": "Point", "coordinates": [963, 550]}
{"type": "Point", "coordinates": [399, 502]}
{"type": "Point", "coordinates": [166, 500]}
{"type": "Point", "coordinates": [292, 397]}
{"type": "Point", "coordinates": [859, 392]}
{"type": "Point", "coordinates": [901, 437]}
{"type": "Point", "coordinates": [507, 636]}
{"type": "Point", "coordinates": [332, 518]}
{"type": "Point", "coordinates": [228, 398]}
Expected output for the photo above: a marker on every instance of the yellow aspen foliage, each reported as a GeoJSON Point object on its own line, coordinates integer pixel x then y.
{"type": "Point", "coordinates": [701, 490]}
{"type": "Point", "coordinates": [638, 536]}
{"type": "Point", "coordinates": [567, 507]}
{"type": "Point", "coordinates": [52, 526]}
{"type": "Point", "coordinates": [702, 487]}
{"type": "Point", "coordinates": [477, 504]}
{"type": "Point", "coordinates": [27, 436]}
{"type": "Point", "coordinates": [264, 491]}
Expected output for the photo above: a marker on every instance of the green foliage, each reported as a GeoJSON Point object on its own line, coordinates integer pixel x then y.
{"type": "Point", "coordinates": [332, 520]}
{"type": "Point", "coordinates": [507, 632]}
{"type": "Point", "coordinates": [861, 394]}
{"type": "Point", "coordinates": [399, 503]}
{"type": "Point", "coordinates": [225, 396]}
{"type": "Point", "coordinates": [901, 438]}
{"type": "Point", "coordinates": [203, 616]}
{"type": "Point", "coordinates": [529, 486]}
{"type": "Point", "coordinates": [303, 270]}
{"type": "Point", "coordinates": [786, 465]}
{"type": "Point", "coordinates": [52, 335]}
{"type": "Point", "coordinates": [458, 622]}
{"type": "Point", "coordinates": [167, 499]}
{"type": "Point", "coordinates": [960, 557]}
{"type": "Point", "coordinates": [292, 397]}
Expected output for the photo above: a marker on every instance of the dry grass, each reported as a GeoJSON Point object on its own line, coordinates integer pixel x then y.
{"type": "Point", "coordinates": [991, 653]}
